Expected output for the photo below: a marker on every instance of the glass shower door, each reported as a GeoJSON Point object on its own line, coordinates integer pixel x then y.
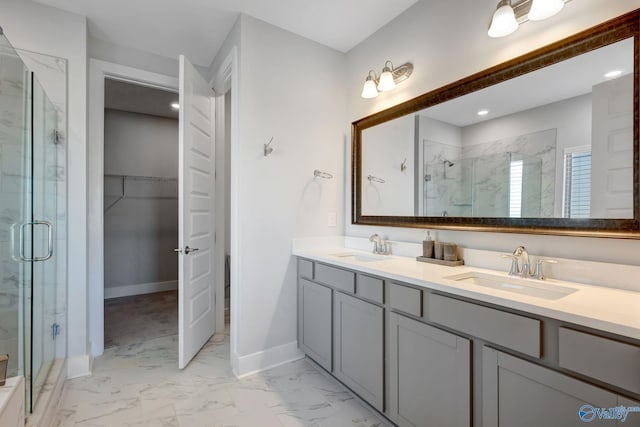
{"type": "Point", "coordinates": [32, 225]}
{"type": "Point", "coordinates": [44, 227]}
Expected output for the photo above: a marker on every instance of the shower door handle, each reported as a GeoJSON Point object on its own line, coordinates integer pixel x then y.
{"type": "Point", "coordinates": [49, 254]}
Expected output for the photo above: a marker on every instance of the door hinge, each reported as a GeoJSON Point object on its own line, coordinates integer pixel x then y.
{"type": "Point", "coordinates": [55, 331]}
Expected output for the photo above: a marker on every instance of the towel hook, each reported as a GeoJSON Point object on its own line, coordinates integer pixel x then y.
{"type": "Point", "coordinates": [323, 175]}
{"type": "Point", "coordinates": [268, 150]}
{"type": "Point", "coordinates": [403, 165]}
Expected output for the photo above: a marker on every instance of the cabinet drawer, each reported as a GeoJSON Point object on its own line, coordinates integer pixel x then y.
{"type": "Point", "coordinates": [370, 288]}
{"type": "Point", "coordinates": [607, 360]}
{"type": "Point", "coordinates": [406, 299]}
{"type": "Point", "coordinates": [338, 278]}
{"type": "Point", "coordinates": [305, 268]}
{"type": "Point", "coordinates": [506, 329]}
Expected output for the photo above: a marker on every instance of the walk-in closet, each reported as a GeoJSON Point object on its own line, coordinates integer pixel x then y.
{"type": "Point", "coordinates": [140, 213]}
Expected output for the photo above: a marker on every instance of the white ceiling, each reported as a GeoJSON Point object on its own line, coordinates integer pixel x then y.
{"type": "Point", "coordinates": [564, 80]}
{"type": "Point", "coordinates": [197, 28]}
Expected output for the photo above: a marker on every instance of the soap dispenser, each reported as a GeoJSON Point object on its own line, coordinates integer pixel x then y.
{"type": "Point", "coordinates": [427, 246]}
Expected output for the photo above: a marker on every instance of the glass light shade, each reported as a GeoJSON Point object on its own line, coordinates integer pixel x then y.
{"type": "Point", "coordinates": [369, 90]}
{"type": "Point", "coordinates": [543, 9]}
{"type": "Point", "coordinates": [504, 21]}
{"type": "Point", "coordinates": [386, 80]}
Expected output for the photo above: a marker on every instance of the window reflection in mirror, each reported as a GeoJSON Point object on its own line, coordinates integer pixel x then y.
{"type": "Point", "coordinates": [553, 143]}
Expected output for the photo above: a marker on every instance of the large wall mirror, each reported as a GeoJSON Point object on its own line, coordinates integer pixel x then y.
{"type": "Point", "coordinates": [546, 143]}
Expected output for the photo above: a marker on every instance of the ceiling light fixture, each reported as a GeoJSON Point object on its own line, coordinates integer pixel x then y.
{"type": "Point", "coordinates": [509, 14]}
{"type": "Point", "coordinates": [613, 74]}
{"type": "Point", "coordinates": [483, 112]}
{"type": "Point", "coordinates": [175, 105]}
{"type": "Point", "coordinates": [388, 79]}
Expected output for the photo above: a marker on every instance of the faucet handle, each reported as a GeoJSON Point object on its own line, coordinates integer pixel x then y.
{"type": "Point", "coordinates": [515, 268]}
{"type": "Point", "coordinates": [537, 274]}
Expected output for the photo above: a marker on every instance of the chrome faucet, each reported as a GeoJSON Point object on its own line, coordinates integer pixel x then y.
{"type": "Point", "coordinates": [380, 247]}
{"type": "Point", "coordinates": [525, 269]}
{"type": "Point", "coordinates": [522, 253]}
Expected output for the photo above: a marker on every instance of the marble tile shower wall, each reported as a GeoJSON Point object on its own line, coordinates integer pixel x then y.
{"type": "Point", "coordinates": [493, 184]}
{"type": "Point", "coordinates": [476, 182]}
{"type": "Point", "coordinates": [12, 172]}
{"type": "Point", "coordinates": [440, 196]}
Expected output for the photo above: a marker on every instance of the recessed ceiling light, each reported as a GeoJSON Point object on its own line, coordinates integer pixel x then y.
{"type": "Point", "coordinates": [175, 105]}
{"type": "Point", "coordinates": [613, 74]}
{"type": "Point", "coordinates": [483, 112]}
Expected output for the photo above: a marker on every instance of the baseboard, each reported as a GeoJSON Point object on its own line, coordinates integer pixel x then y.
{"type": "Point", "coordinates": [140, 289]}
{"type": "Point", "coordinates": [79, 366]}
{"type": "Point", "coordinates": [251, 364]}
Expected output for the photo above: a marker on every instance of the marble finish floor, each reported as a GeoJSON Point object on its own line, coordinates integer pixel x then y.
{"type": "Point", "coordinates": [139, 384]}
{"type": "Point", "coordinates": [139, 318]}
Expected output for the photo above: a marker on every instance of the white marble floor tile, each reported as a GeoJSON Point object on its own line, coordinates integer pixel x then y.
{"type": "Point", "coordinates": [138, 384]}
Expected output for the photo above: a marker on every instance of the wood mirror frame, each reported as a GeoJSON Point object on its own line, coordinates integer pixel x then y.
{"type": "Point", "coordinates": [604, 34]}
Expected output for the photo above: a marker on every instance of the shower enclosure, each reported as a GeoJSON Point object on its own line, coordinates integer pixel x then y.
{"type": "Point", "coordinates": [497, 185]}
{"type": "Point", "coordinates": [32, 225]}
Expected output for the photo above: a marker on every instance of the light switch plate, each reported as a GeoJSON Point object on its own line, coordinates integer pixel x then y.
{"type": "Point", "coordinates": [332, 220]}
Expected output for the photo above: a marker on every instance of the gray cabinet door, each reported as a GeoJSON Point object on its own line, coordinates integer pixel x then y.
{"type": "Point", "coordinates": [517, 393]}
{"type": "Point", "coordinates": [358, 347]}
{"type": "Point", "coordinates": [429, 374]}
{"type": "Point", "coordinates": [314, 322]}
{"type": "Point", "coordinates": [633, 416]}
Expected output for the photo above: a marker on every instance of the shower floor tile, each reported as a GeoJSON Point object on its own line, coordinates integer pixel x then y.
{"type": "Point", "coordinates": [138, 318]}
{"type": "Point", "coordinates": [139, 384]}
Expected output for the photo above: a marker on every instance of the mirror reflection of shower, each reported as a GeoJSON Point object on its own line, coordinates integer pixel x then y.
{"type": "Point", "coordinates": [447, 164]}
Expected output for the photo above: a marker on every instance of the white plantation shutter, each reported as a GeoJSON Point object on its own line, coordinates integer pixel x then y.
{"type": "Point", "coordinates": [577, 183]}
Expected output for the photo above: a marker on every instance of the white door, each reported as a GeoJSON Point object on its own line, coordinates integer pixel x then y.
{"type": "Point", "coordinates": [196, 319]}
{"type": "Point", "coordinates": [612, 149]}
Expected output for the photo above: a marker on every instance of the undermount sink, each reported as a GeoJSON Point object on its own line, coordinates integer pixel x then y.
{"type": "Point", "coordinates": [362, 257]}
{"type": "Point", "coordinates": [534, 288]}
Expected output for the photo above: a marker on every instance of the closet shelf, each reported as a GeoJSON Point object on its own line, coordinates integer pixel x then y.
{"type": "Point", "coordinates": [143, 178]}
{"type": "Point", "coordinates": [125, 178]}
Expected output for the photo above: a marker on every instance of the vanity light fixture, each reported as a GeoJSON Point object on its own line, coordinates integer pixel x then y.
{"type": "Point", "coordinates": [370, 90]}
{"type": "Point", "coordinates": [543, 9]}
{"type": "Point", "coordinates": [388, 79]}
{"type": "Point", "coordinates": [175, 105]}
{"type": "Point", "coordinates": [504, 20]}
{"type": "Point", "coordinates": [510, 14]}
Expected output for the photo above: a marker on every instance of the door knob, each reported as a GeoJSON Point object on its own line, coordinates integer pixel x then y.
{"type": "Point", "coordinates": [188, 250]}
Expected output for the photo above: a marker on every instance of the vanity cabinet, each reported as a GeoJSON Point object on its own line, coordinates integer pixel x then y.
{"type": "Point", "coordinates": [314, 322]}
{"type": "Point", "coordinates": [429, 375]}
{"type": "Point", "coordinates": [359, 347]}
{"type": "Point", "coordinates": [423, 357]}
{"type": "Point", "coordinates": [518, 393]}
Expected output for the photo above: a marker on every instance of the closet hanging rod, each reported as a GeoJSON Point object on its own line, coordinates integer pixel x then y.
{"type": "Point", "coordinates": [123, 195]}
{"type": "Point", "coordinates": [142, 178]}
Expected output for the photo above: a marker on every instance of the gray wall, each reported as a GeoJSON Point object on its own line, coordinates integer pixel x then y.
{"type": "Point", "coordinates": [140, 231]}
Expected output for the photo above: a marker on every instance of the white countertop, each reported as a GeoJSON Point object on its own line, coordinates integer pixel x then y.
{"type": "Point", "coordinates": [598, 307]}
